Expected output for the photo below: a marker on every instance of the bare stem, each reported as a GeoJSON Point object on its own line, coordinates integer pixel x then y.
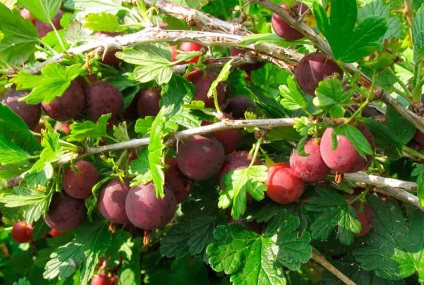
{"type": "Point", "coordinates": [388, 186]}
{"type": "Point", "coordinates": [333, 270]}
{"type": "Point", "coordinates": [154, 35]}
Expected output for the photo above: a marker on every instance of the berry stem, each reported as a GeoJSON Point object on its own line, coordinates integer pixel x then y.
{"type": "Point", "coordinates": [255, 153]}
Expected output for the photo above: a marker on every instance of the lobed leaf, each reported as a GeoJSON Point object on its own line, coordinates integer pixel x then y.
{"type": "Point", "coordinates": [44, 10]}
{"type": "Point", "coordinates": [245, 255]}
{"type": "Point", "coordinates": [18, 36]}
{"type": "Point", "coordinates": [153, 62]}
{"type": "Point", "coordinates": [292, 97]}
{"type": "Point", "coordinates": [140, 168]}
{"type": "Point", "coordinates": [104, 22]}
{"type": "Point", "coordinates": [349, 43]}
{"type": "Point", "coordinates": [10, 152]}
{"type": "Point", "coordinates": [360, 143]}
{"type": "Point", "coordinates": [94, 6]}
{"type": "Point", "coordinates": [53, 82]}
{"type": "Point", "coordinates": [394, 247]}
{"type": "Point", "coordinates": [88, 129]}
{"type": "Point", "coordinates": [333, 212]}
{"type": "Point", "coordinates": [33, 202]}
{"type": "Point", "coordinates": [418, 34]}
{"type": "Point", "coordinates": [240, 182]}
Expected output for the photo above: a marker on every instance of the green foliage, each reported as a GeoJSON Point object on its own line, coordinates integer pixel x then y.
{"type": "Point", "coordinates": [222, 76]}
{"type": "Point", "coordinates": [89, 130]}
{"type": "Point", "coordinates": [152, 62]}
{"type": "Point", "coordinates": [418, 172]}
{"type": "Point", "coordinates": [140, 168]}
{"type": "Point", "coordinates": [360, 143]}
{"type": "Point", "coordinates": [32, 203]}
{"type": "Point", "coordinates": [18, 36]}
{"type": "Point", "coordinates": [331, 97]}
{"type": "Point", "coordinates": [349, 43]}
{"type": "Point", "coordinates": [292, 97]}
{"type": "Point", "coordinates": [332, 213]}
{"type": "Point", "coordinates": [43, 10]}
{"type": "Point", "coordinates": [260, 263]}
{"type": "Point", "coordinates": [88, 245]}
{"type": "Point", "coordinates": [104, 22]}
{"type": "Point", "coordinates": [418, 38]}
{"type": "Point", "coordinates": [14, 128]}
{"type": "Point", "coordinates": [10, 152]}
{"type": "Point", "coordinates": [394, 247]}
{"type": "Point", "coordinates": [194, 232]}
{"type": "Point", "coordinates": [94, 6]}
{"type": "Point", "coordinates": [53, 82]}
{"type": "Point", "coordinates": [239, 183]}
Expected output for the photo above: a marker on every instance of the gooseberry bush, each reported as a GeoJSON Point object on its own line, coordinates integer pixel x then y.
{"type": "Point", "coordinates": [211, 142]}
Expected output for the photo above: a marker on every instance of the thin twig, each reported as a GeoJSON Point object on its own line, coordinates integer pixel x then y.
{"type": "Point", "coordinates": [333, 270]}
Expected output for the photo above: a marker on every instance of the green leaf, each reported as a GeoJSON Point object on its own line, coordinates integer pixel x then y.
{"type": "Point", "coordinates": [292, 97]}
{"type": "Point", "coordinates": [34, 203]}
{"type": "Point", "coordinates": [175, 94]}
{"type": "Point", "coordinates": [156, 154]}
{"type": "Point", "coordinates": [240, 182]}
{"type": "Point", "coordinates": [365, 39]}
{"type": "Point", "coordinates": [331, 97]}
{"type": "Point", "coordinates": [384, 138]}
{"type": "Point", "coordinates": [339, 27]}
{"type": "Point", "coordinates": [400, 130]}
{"type": "Point", "coordinates": [10, 152]}
{"type": "Point", "coordinates": [418, 34]}
{"type": "Point", "coordinates": [15, 129]}
{"type": "Point", "coordinates": [188, 270]}
{"type": "Point", "coordinates": [130, 272]}
{"type": "Point", "coordinates": [263, 38]}
{"type": "Point", "coordinates": [294, 249]}
{"type": "Point", "coordinates": [222, 76]}
{"type": "Point", "coordinates": [194, 232]}
{"type": "Point", "coordinates": [19, 36]}
{"type": "Point", "coordinates": [186, 118]}
{"type": "Point", "coordinates": [372, 9]}
{"type": "Point", "coordinates": [194, 4]}
{"type": "Point", "coordinates": [190, 235]}
{"type": "Point", "coordinates": [349, 43]}
{"type": "Point", "coordinates": [142, 126]}
{"type": "Point", "coordinates": [88, 129]}
{"type": "Point", "coordinates": [377, 8]}
{"type": "Point", "coordinates": [248, 257]}
{"type": "Point", "coordinates": [140, 168]}
{"type": "Point", "coordinates": [90, 242]}
{"type": "Point", "coordinates": [44, 10]}
{"type": "Point", "coordinates": [332, 211]}
{"type": "Point", "coordinates": [103, 22]}
{"type": "Point", "coordinates": [94, 6]}
{"type": "Point", "coordinates": [394, 248]}
{"type": "Point", "coordinates": [22, 281]}
{"type": "Point", "coordinates": [96, 240]}
{"type": "Point", "coordinates": [51, 150]}
{"type": "Point", "coordinates": [360, 143]}
{"type": "Point", "coordinates": [53, 82]}
{"type": "Point", "coordinates": [64, 261]}
{"type": "Point", "coordinates": [418, 172]}
{"type": "Point", "coordinates": [153, 62]}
